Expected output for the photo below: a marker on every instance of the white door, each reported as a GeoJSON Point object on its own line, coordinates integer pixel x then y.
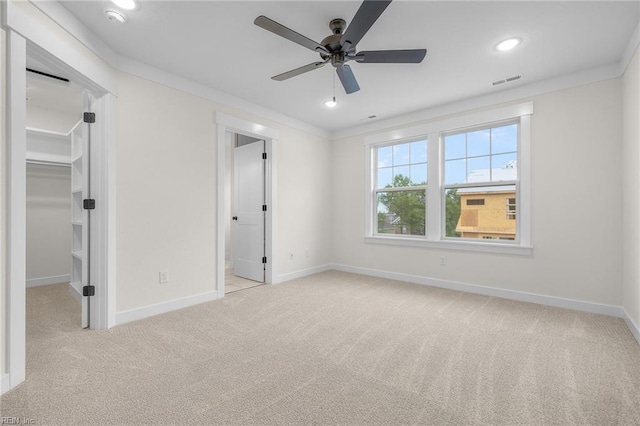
{"type": "Point", "coordinates": [248, 217]}
{"type": "Point", "coordinates": [80, 150]}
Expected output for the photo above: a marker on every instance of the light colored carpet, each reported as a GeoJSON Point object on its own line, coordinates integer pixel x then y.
{"type": "Point", "coordinates": [233, 283]}
{"type": "Point", "coordinates": [334, 348]}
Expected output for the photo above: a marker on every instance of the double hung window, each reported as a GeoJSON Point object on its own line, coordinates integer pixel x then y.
{"type": "Point", "coordinates": [460, 183]}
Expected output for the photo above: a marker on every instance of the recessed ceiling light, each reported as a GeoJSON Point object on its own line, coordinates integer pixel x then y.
{"type": "Point", "coordinates": [330, 103]}
{"type": "Point", "coordinates": [508, 44]}
{"type": "Point", "coordinates": [125, 4]}
{"type": "Point", "coordinates": [114, 16]}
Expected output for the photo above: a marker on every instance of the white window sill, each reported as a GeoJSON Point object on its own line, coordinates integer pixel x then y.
{"type": "Point", "coordinates": [484, 247]}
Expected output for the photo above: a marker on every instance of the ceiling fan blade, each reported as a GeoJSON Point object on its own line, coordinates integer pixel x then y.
{"type": "Point", "coordinates": [366, 16]}
{"type": "Point", "coordinates": [412, 56]}
{"type": "Point", "coordinates": [289, 34]}
{"type": "Point", "coordinates": [298, 71]}
{"type": "Point", "coordinates": [347, 79]}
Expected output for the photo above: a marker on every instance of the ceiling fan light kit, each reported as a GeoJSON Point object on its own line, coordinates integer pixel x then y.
{"type": "Point", "coordinates": [340, 47]}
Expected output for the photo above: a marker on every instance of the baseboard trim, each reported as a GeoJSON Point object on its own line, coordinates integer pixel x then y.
{"type": "Point", "coordinates": [76, 291]}
{"type": "Point", "coordinates": [302, 273]}
{"type": "Point", "coordinates": [164, 307]}
{"type": "Point", "coordinates": [633, 327]}
{"type": "Point", "coordinates": [57, 279]}
{"type": "Point", "coordinates": [5, 383]}
{"type": "Point", "coordinates": [558, 302]}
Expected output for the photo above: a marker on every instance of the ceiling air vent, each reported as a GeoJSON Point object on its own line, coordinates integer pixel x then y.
{"type": "Point", "coordinates": [507, 80]}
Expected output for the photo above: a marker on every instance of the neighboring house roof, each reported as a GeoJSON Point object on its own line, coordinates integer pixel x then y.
{"type": "Point", "coordinates": [508, 172]}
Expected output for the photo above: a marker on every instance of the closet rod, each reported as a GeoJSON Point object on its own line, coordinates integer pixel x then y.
{"type": "Point", "coordinates": [49, 163]}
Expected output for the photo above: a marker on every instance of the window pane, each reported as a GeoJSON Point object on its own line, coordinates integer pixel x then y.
{"type": "Point", "coordinates": [419, 152]}
{"type": "Point", "coordinates": [401, 176]}
{"type": "Point", "coordinates": [504, 139]}
{"type": "Point", "coordinates": [384, 177]}
{"type": "Point", "coordinates": [419, 174]}
{"type": "Point", "coordinates": [401, 154]}
{"type": "Point", "coordinates": [507, 166]}
{"type": "Point", "coordinates": [478, 143]}
{"type": "Point", "coordinates": [454, 146]}
{"type": "Point", "coordinates": [494, 218]}
{"type": "Point", "coordinates": [479, 169]}
{"type": "Point", "coordinates": [385, 156]}
{"type": "Point", "coordinates": [401, 212]}
{"type": "Point", "coordinates": [455, 171]}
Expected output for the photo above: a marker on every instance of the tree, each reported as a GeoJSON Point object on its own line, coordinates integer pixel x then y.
{"type": "Point", "coordinates": [452, 209]}
{"type": "Point", "coordinates": [406, 208]}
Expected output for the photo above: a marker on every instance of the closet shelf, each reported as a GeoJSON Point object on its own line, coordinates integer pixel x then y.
{"type": "Point", "coordinates": [76, 191]}
{"type": "Point", "coordinates": [78, 158]}
{"type": "Point", "coordinates": [77, 255]}
{"type": "Point", "coordinates": [76, 223]}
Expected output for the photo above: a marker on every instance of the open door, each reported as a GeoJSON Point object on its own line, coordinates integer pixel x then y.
{"type": "Point", "coordinates": [80, 154]}
{"type": "Point", "coordinates": [249, 215]}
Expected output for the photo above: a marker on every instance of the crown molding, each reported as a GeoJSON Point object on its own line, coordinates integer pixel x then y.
{"type": "Point", "coordinates": [509, 95]}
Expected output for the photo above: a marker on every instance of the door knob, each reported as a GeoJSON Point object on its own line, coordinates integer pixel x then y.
{"type": "Point", "coordinates": [235, 218]}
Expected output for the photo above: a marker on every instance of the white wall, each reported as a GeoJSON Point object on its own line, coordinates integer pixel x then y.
{"type": "Point", "coordinates": [48, 222]}
{"type": "Point", "coordinates": [631, 190]}
{"type": "Point", "coordinates": [576, 198]}
{"type": "Point", "coordinates": [166, 186]}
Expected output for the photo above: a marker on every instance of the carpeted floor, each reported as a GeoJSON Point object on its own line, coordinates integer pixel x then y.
{"type": "Point", "coordinates": [332, 348]}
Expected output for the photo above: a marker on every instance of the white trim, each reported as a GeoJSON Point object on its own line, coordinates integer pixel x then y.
{"type": "Point", "coordinates": [5, 383]}
{"type": "Point", "coordinates": [303, 273]}
{"type": "Point", "coordinates": [133, 67]}
{"type": "Point", "coordinates": [632, 46]}
{"type": "Point", "coordinates": [26, 19]}
{"type": "Point", "coordinates": [16, 56]}
{"type": "Point", "coordinates": [469, 119]}
{"type": "Point", "coordinates": [228, 123]}
{"type": "Point", "coordinates": [540, 299]}
{"type": "Point", "coordinates": [433, 132]}
{"type": "Point", "coordinates": [57, 13]}
{"type": "Point", "coordinates": [75, 288]}
{"type": "Point", "coordinates": [450, 244]}
{"type": "Point", "coordinates": [511, 95]}
{"type": "Point", "coordinates": [57, 279]}
{"type": "Point", "coordinates": [164, 307]}
{"type": "Point", "coordinates": [633, 327]}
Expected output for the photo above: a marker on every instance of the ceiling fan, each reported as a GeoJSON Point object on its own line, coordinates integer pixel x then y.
{"type": "Point", "coordinates": [340, 47]}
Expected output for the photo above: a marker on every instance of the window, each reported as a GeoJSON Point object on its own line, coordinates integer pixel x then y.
{"type": "Point", "coordinates": [482, 162]}
{"type": "Point", "coordinates": [401, 187]}
{"type": "Point", "coordinates": [474, 194]}
{"type": "Point", "coordinates": [511, 208]}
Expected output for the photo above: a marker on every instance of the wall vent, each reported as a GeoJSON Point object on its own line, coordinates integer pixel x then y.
{"type": "Point", "coordinates": [507, 80]}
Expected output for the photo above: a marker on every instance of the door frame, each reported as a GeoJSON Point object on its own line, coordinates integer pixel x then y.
{"type": "Point", "coordinates": [19, 45]}
{"type": "Point", "coordinates": [229, 124]}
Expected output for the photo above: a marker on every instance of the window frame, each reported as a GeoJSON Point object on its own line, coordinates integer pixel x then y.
{"type": "Point", "coordinates": [434, 132]}
{"type": "Point", "coordinates": [376, 190]}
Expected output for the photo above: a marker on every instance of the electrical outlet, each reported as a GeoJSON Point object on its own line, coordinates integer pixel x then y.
{"type": "Point", "coordinates": [443, 260]}
{"type": "Point", "coordinates": [164, 277]}
{"type": "Point", "coordinates": [291, 256]}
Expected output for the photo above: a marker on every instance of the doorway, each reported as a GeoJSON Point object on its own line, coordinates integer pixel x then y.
{"type": "Point", "coordinates": [54, 107]}
{"type": "Point", "coordinates": [249, 133]}
{"type": "Point", "coordinates": [245, 246]}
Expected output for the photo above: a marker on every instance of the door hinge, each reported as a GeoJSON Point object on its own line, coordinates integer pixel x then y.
{"type": "Point", "coordinates": [264, 207]}
{"type": "Point", "coordinates": [264, 259]}
{"type": "Point", "coordinates": [264, 155]}
{"type": "Point", "coordinates": [89, 204]}
{"type": "Point", "coordinates": [89, 117]}
{"type": "Point", "coordinates": [89, 290]}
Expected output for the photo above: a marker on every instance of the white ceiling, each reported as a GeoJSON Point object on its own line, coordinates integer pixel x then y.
{"type": "Point", "coordinates": [215, 43]}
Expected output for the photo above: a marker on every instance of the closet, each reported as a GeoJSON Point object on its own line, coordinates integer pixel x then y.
{"type": "Point", "coordinates": [55, 220]}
